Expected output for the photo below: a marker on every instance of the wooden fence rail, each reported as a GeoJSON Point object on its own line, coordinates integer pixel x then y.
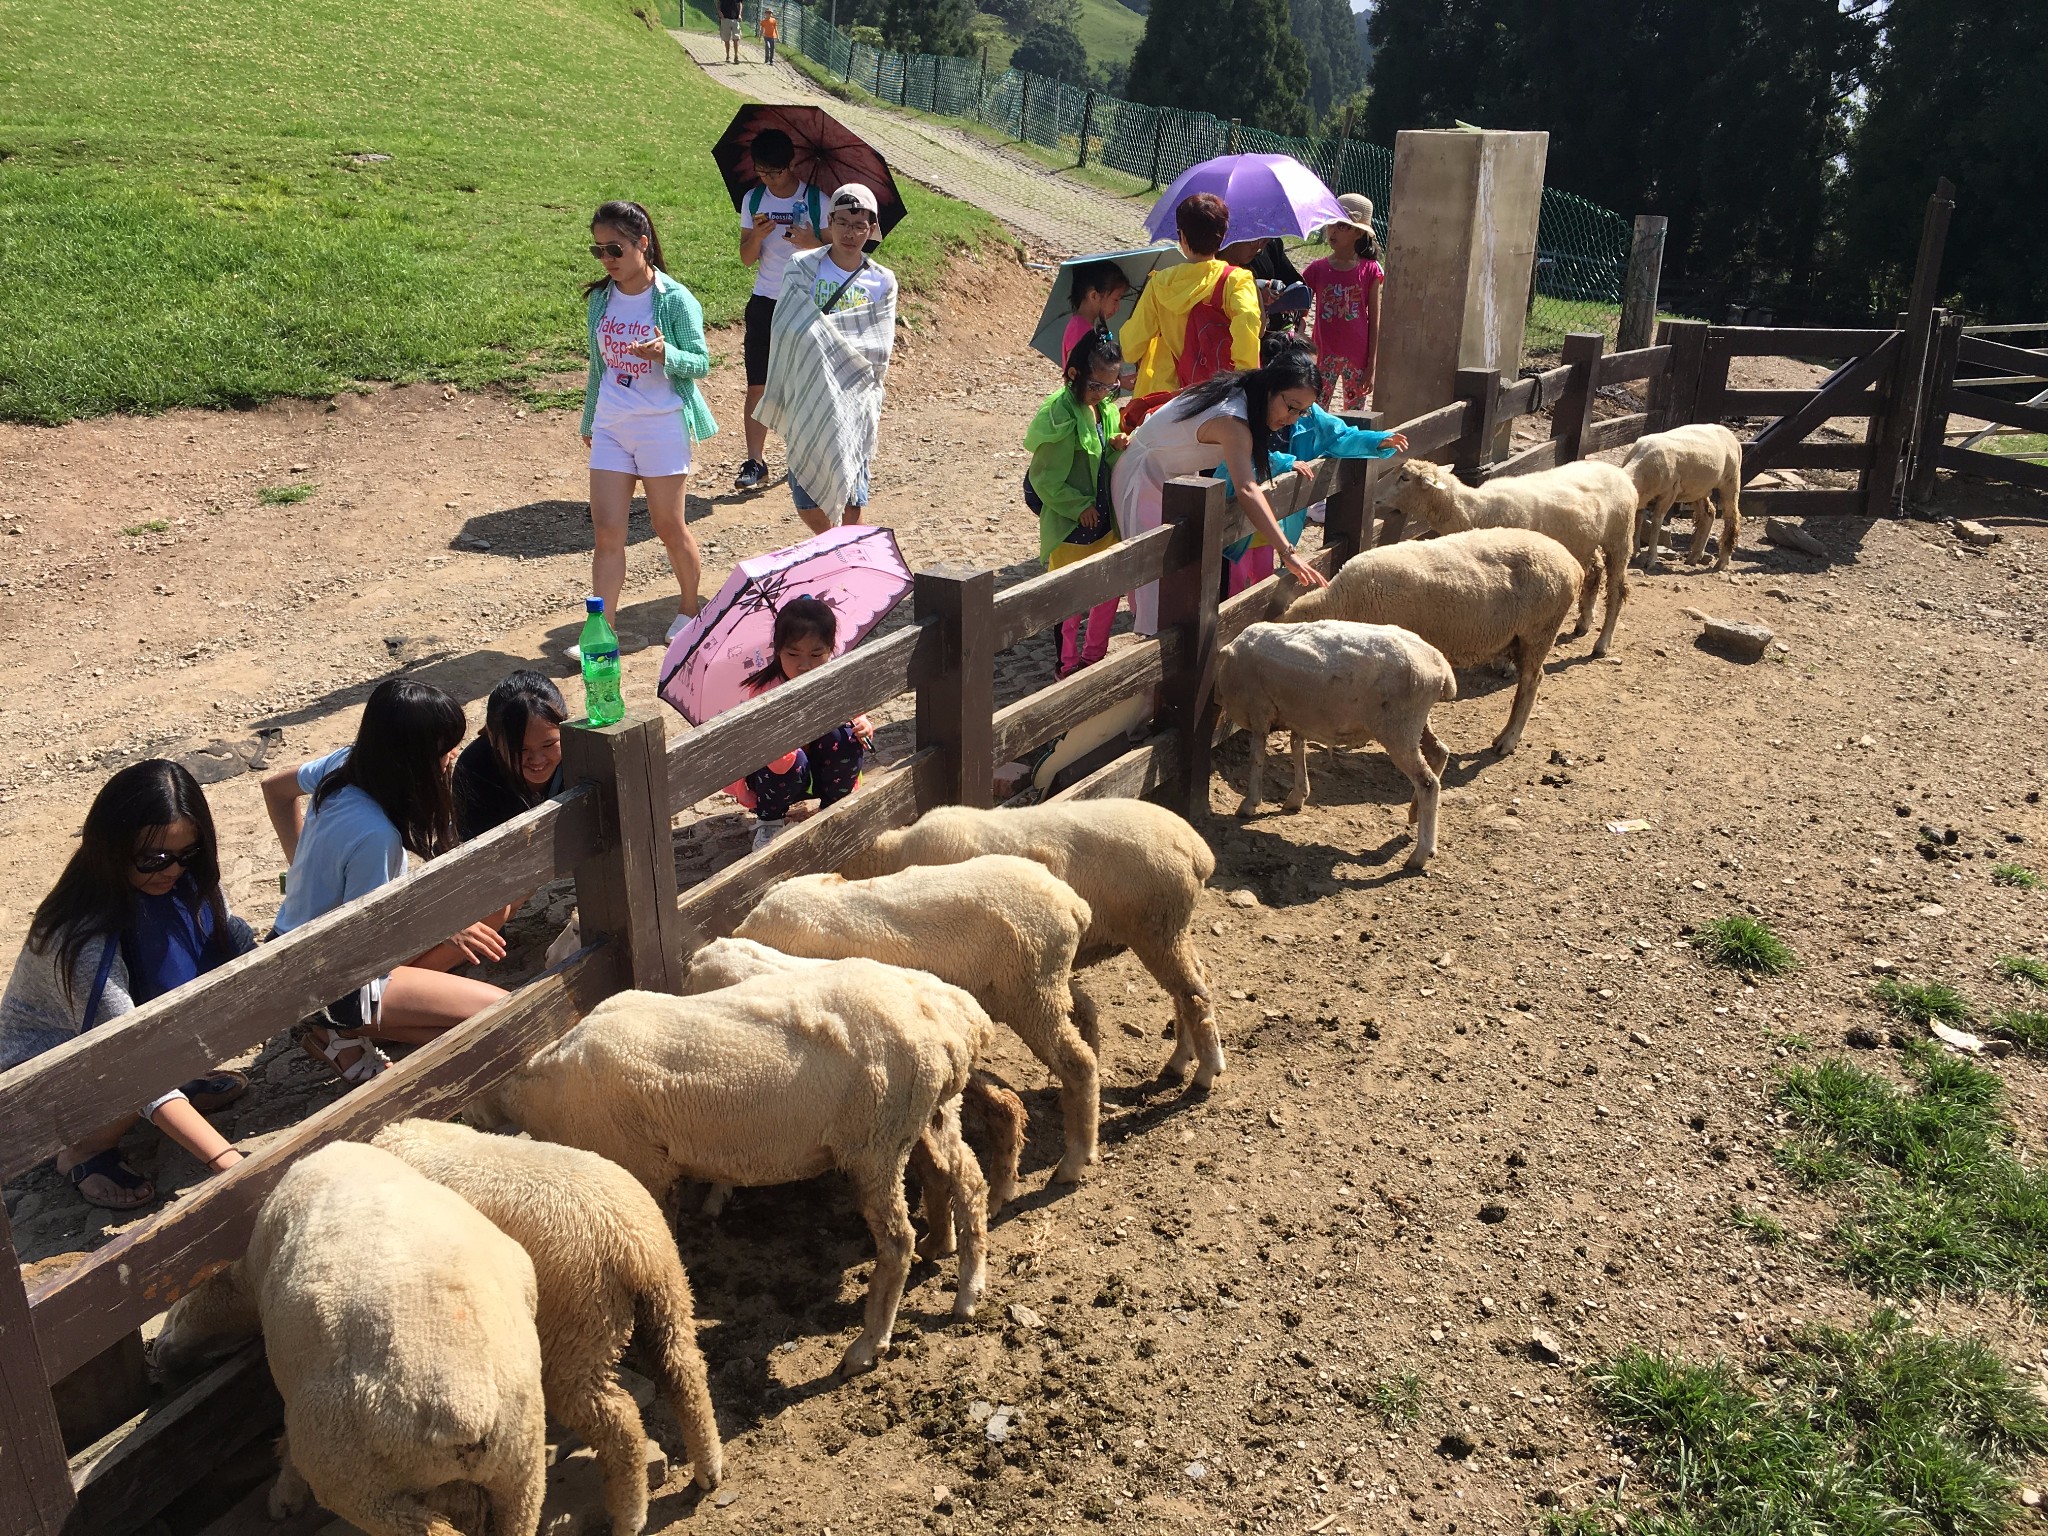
{"type": "Point", "coordinates": [1994, 365]}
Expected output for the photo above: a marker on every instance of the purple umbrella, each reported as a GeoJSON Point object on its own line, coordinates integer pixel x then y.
{"type": "Point", "coordinates": [858, 570]}
{"type": "Point", "coordinates": [1269, 195]}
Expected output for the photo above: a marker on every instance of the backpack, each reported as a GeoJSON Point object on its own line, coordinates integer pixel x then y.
{"type": "Point", "coordinates": [1205, 348]}
{"type": "Point", "coordinates": [811, 196]}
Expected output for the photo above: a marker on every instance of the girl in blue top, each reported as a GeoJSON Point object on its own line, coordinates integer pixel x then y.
{"type": "Point", "coordinates": [372, 805]}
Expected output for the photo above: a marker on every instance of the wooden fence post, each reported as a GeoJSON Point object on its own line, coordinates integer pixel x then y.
{"type": "Point", "coordinates": [1639, 287]}
{"type": "Point", "coordinates": [35, 1481]}
{"type": "Point", "coordinates": [1350, 508]}
{"type": "Point", "coordinates": [1676, 391]}
{"type": "Point", "coordinates": [956, 710]}
{"type": "Point", "coordinates": [1941, 378]}
{"type": "Point", "coordinates": [1188, 593]}
{"type": "Point", "coordinates": [1023, 105]}
{"type": "Point", "coordinates": [1573, 412]}
{"type": "Point", "coordinates": [1475, 444]}
{"type": "Point", "coordinates": [1905, 395]}
{"type": "Point", "coordinates": [627, 892]}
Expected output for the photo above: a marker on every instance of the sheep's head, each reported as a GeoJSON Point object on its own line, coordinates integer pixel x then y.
{"type": "Point", "coordinates": [213, 1319]}
{"type": "Point", "coordinates": [1428, 491]}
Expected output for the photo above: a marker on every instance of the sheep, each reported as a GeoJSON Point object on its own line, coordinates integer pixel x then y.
{"type": "Point", "coordinates": [1471, 595]}
{"type": "Point", "coordinates": [1589, 507]}
{"type": "Point", "coordinates": [990, 1113]}
{"type": "Point", "coordinates": [601, 1254]}
{"type": "Point", "coordinates": [1347, 685]}
{"type": "Point", "coordinates": [770, 1081]}
{"type": "Point", "coordinates": [1139, 867]}
{"type": "Point", "coordinates": [1688, 464]}
{"type": "Point", "coordinates": [1002, 927]}
{"type": "Point", "coordinates": [399, 1325]}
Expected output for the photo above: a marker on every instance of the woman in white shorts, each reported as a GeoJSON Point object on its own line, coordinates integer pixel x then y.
{"type": "Point", "coordinates": [642, 410]}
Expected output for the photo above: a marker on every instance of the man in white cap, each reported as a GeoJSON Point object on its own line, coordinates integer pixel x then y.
{"type": "Point", "coordinates": [828, 360]}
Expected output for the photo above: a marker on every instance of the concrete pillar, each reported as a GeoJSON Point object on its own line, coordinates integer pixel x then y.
{"type": "Point", "coordinates": [1460, 255]}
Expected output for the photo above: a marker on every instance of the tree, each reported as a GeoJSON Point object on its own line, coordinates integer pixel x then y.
{"type": "Point", "coordinates": [929, 26]}
{"type": "Point", "coordinates": [1234, 58]}
{"type": "Point", "coordinates": [1329, 39]}
{"type": "Point", "coordinates": [1053, 51]}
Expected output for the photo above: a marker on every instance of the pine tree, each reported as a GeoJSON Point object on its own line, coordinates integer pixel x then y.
{"type": "Point", "coordinates": [929, 26]}
{"type": "Point", "coordinates": [1233, 58]}
{"type": "Point", "coordinates": [1053, 51]}
{"type": "Point", "coordinates": [1329, 39]}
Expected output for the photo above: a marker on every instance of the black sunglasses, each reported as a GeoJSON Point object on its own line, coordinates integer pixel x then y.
{"type": "Point", "coordinates": [610, 248]}
{"type": "Point", "coordinates": [155, 861]}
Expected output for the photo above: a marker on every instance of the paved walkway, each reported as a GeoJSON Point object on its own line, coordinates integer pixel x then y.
{"type": "Point", "coordinates": [1064, 216]}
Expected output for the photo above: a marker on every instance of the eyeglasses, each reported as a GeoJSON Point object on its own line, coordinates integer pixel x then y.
{"type": "Point", "coordinates": [155, 861]}
{"type": "Point", "coordinates": [610, 248]}
{"type": "Point", "coordinates": [1112, 389]}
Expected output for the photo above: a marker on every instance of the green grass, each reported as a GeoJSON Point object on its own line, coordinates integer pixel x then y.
{"type": "Point", "coordinates": [192, 167]}
{"type": "Point", "coordinates": [154, 525]}
{"type": "Point", "coordinates": [1765, 1229]}
{"type": "Point", "coordinates": [2024, 1027]}
{"type": "Point", "coordinates": [2028, 445]}
{"type": "Point", "coordinates": [286, 495]}
{"type": "Point", "coordinates": [1944, 1204]}
{"type": "Point", "coordinates": [1924, 1002]}
{"type": "Point", "coordinates": [1877, 1431]}
{"type": "Point", "coordinates": [1398, 1401]}
{"type": "Point", "coordinates": [1744, 944]}
{"type": "Point", "coordinates": [2015, 875]}
{"type": "Point", "coordinates": [2023, 968]}
{"type": "Point", "coordinates": [1109, 31]}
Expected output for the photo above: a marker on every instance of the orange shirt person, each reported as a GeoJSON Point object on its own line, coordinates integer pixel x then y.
{"type": "Point", "coordinates": [771, 29]}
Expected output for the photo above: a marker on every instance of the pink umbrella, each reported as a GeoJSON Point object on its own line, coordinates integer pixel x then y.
{"type": "Point", "coordinates": [858, 570]}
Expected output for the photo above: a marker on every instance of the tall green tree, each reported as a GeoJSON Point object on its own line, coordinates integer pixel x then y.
{"type": "Point", "coordinates": [929, 26]}
{"type": "Point", "coordinates": [1053, 51]}
{"type": "Point", "coordinates": [1234, 58]}
{"type": "Point", "coordinates": [1329, 40]}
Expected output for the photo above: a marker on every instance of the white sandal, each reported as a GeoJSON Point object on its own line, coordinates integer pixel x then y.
{"type": "Point", "coordinates": [328, 1045]}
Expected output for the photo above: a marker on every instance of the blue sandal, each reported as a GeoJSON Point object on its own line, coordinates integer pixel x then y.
{"type": "Point", "coordinates": [109, 1166]}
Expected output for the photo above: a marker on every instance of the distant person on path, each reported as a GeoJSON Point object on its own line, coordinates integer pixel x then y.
{"type": "Point", "coordinates": [1197, 320]}
{"type": "Point", "coordinates": [642, 410]}
{"type": "Point", "coordinates": [826, 770]}
{"type": "Point", "coordinates": [729, 29]}
{"type": "Point", "coordinates": [780, 217]}
{"type": "Point", "coordinates": [1095, 291]}
{"type": "Point", "coordinates": [1347, 286]}
{"type": "Point", "coordinates": [136, 913]}
{"type": "Point", "coordinates": [771, 29]}
{"type": "Point", "coordinates": [1074, 444]}
{"type": "Point", "coordinates": [374, 805]}
{"type": "Point", "coordinates": [514, 764]}
{"type": "Point", "coordinates": [828, 363]}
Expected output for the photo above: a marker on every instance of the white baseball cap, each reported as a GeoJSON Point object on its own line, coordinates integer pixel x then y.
{"type": "Point", "coordinates": [856, 195]}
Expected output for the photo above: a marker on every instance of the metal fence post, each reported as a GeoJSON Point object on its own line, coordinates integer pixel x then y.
{"type": "Point", "coordinates": [1230, 137]}
{"type": "Point", "coordinates": [1158, 141]}
{"type": "Point", "coordinates": [1023, 105]}
{"type": "Point", "coordinates": [628, 891]}
{"type": "Point", "coordinates": [956, 709]}
{"type": "Point", "coordinates": [1639, 287]}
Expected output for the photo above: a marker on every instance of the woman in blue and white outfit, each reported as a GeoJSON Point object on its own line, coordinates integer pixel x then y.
{"type": "Point", "coordinates": [642, 410]}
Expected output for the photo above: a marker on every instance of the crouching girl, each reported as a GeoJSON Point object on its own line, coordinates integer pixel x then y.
{"type": "Point", "coordinates": [825, 770]}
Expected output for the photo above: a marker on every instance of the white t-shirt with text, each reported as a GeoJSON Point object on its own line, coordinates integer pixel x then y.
{"type": "Point", "coordinates": [629, 385]}
{"type": "Point", "coordinates": [787, 212]}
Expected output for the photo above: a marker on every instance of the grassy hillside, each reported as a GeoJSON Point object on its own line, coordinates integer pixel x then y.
{"type": "Point", "coordinates": [1110, 31]}
{"type": "Point", "coordinates": [188, 213]}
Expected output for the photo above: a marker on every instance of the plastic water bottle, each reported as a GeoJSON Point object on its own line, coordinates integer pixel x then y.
{"type": "Point", "coordinates": [600, 648]}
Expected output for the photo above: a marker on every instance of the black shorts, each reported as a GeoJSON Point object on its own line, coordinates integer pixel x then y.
{"type": "Point", "coordinates": [760, 316]}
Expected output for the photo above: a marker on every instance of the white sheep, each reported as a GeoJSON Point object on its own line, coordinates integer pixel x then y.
{"type": "Point", "coordinates": [1687, 466]}
{"type": "Point", "coordinates": [1003, 928]}
{"type": "Point", "coordinates": [1589, 507]}
{"type": "Point", "coordinates": [399, 1326]}
{"type": "Point", "coordinates": [777, 1079]}
{"type": "Point", "coordinates": [1471, 595]}
{"type": "Point", "coordinates": [602, 1255]}
{"type": "Point", "coordinates": [1139, 867]}
{"type": "Point", "coordinates": [1346, 685]}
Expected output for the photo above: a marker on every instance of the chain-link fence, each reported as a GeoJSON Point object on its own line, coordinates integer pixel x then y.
{"type": "Point", "coordinates": [1582, 248]}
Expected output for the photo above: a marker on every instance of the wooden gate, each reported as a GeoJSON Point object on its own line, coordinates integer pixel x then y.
{"type": "Point", "coordinates": [2004, 384]}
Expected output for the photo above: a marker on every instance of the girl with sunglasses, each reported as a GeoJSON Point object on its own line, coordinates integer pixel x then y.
{"type": "Point", "coordinates": [1074, 442]}
{"type": "Point", "coordinates": [137, 913]}
{"type": "Point", "coordinates": [642, 410]}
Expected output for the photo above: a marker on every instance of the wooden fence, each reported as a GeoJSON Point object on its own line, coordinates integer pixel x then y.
{"type": "Point", "coordinates": [2005, 385]}
{"type": "Point", "coordinates": [70, 1339]}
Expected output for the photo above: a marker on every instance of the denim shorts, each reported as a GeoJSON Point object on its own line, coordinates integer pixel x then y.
{"type": "Point", "coordinates": [804, 503]}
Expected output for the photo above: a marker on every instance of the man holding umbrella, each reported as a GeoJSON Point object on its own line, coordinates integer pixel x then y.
{"type": "Point", "coordinates": [779, 217]}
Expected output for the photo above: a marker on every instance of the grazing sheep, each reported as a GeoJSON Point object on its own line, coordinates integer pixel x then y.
{"type": "Point", "coordinates": [1003, 928]}
{"type": "Point", "coordinates": [1588, 507]}
{"type": "Point", "coordinates": [399, 1325]}
{"type": "Point", "coordinates": [776, 1079]}
{"type": "Point", "coordinates": [1346, 685]}
{"type": "Point", "coordinates": [1688, 465]}
{"type": "Point", "coordinates": [601, 1254]}
{"type": "Point", "coordinates": [1139, 867]}
{"type": "Point", "coordinates": [1471, 595]}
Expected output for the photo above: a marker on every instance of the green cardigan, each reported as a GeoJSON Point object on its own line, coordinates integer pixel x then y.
{"type": "Point", "coordinates": [1067, 442]}
{"type": "Point", "coordinates": [681, 319]}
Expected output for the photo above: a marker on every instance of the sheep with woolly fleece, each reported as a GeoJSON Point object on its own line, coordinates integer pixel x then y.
{"type": "Point", "coordinates": [1589, 507]}
{"type": "Point", "coordinates": [399, 1325]}
{"type": "Point", "coordinates": [1346, 685]}
{"type": "Point", "coordinates": [1697, 465]}
{"type": "Point", "coordinates": [1004, 928]}
{"type": "Point", "coordinates": [1139, 867]}
{"type": "Point", "coordinates": [1471, 595]}
{"type": "Point", "coordinates": [770, 1081]}
{"type": "Point", "coordinates": [602, 1255]}
{"type": "Point", "coordinates": [989, 1112]}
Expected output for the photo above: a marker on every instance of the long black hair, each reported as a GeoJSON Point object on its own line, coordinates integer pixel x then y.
{"type": "Point", "coordinates": [1288, 365]}
{"type": "Point", "coordinates": [519, 698]}
{"type": "Point", "coordinates": [1094, 277]}
{"type": "Point", "coordinates": [1096, 345]}
{"type": "Point", "coordinates": [95, 896]}
{"type": "Point", "coordinates": [633, 220]}
{"type": "Point", "coordinates": [408, 728]}
{"type": "Point", "coordinates": [801, 618]}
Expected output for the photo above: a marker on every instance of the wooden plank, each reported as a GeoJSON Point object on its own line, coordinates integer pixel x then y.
{"type": "Point", "coordinates": [1542, 456]}
{"type": "Point", "coordinates": [1640, 282]}
{"type": "Point", "coordinates": [626, 892]}
{"type": "Point", "coordinates": [1187, 609]}
{"type": "Point", "coordinates": [1479, 388]}
{"type": "Point", "coordinates": [713, 908]}
{"type": "Point", "coordinates": [1715, 361]}
{"type": "Point", "coordinates": [2007, 413]}
{"type": "Point", "coordinates": [1762, 451]}
{"type": "Point", "coordinates": [1552, 384]}
{"type": "Point", "coordinates": [2005, 330]}
{"type": "Point", "coordinates": [139, 1474]}
{"type": "Point", "coordinates": [1344, 521]}
{"type": "Point", "coordinates": [1790, 341]}
{"type": "Point", "coordinates": [1626, 367]}
{"type": "Point", "coordinates": [148, 1266]}
{"type": "Point", "coordinates": [956, 704]}
{"type": "Point", "coordinates": [106, 1392]}
{"type": "Point", "coordinates": [1039, 717]}
{"type": "Point", "coordinates": [762, 729]}
{"type": "Point", "coordinates": [1934, 418]}
{"type": "Point", "coordinates": [1033, 606]}
{"type": "Point", "coordinates": [1999, 381]}
{"type": "Point", "coordinates": [1812, 455]}
{"type": "Point", "coordinates": [1573, 414]}
{"type": "Point", "coordinates": [1134, 775]}
{"type": "Point", "coordinates": [1613, 432]}
{"type": "Point", "coordinates": [1783, 402]}
{"type": "Point", "coordinates": [1675, 391]}
{"type": "Point", "coordinates": [1791, 502]}
{"type": "Point", "coordinates": [1302, 486]}
{"type": "Point", "coordinates": [1999, 354]}
{"type": "Point", "coordinates": [35, 1483]}
{"type": "Point", "coordinates": [1516, 399]}
{"type": "Point", "coordinates": [1990, 466]}
{"type": "Point", "coordinates": [1432, 432]}
{"type": "Point", "coordinates": [64, 1094]}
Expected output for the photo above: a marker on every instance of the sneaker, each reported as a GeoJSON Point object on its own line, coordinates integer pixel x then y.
{"type": "Point", "coordinates": [675, 627]}
{"type": "Point", "coordinates": [767, 831]}
{"type": "Point", "coordinates": [753, 475]}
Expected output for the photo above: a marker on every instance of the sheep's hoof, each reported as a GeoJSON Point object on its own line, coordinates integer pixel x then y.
{"type": "Point", "coordinates": [1505, 747]}
{"type": "Point", "coordinates": [964, 1305]}
{"type": "Point", "coordinates": [1293, 806]}
{"type": "Point", "coordinates": [1600, 650]}
{"type": "Point", "coordinates": [1206, 1075]}
{"type": "Point", "coordinates": [710, 1472]}
{"type": "Point", "coordinates": [1247, 806]}
{"type": "Point", "coordinates": [1418, 862]}
{"type": "Point", "coordinates": [859, 1358]}
{"type": "Point", "coordinates": [1070, 1169]}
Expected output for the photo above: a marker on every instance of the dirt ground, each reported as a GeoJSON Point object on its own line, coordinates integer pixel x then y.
{"type": "Point", "coordinates": [1502, 1099]}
